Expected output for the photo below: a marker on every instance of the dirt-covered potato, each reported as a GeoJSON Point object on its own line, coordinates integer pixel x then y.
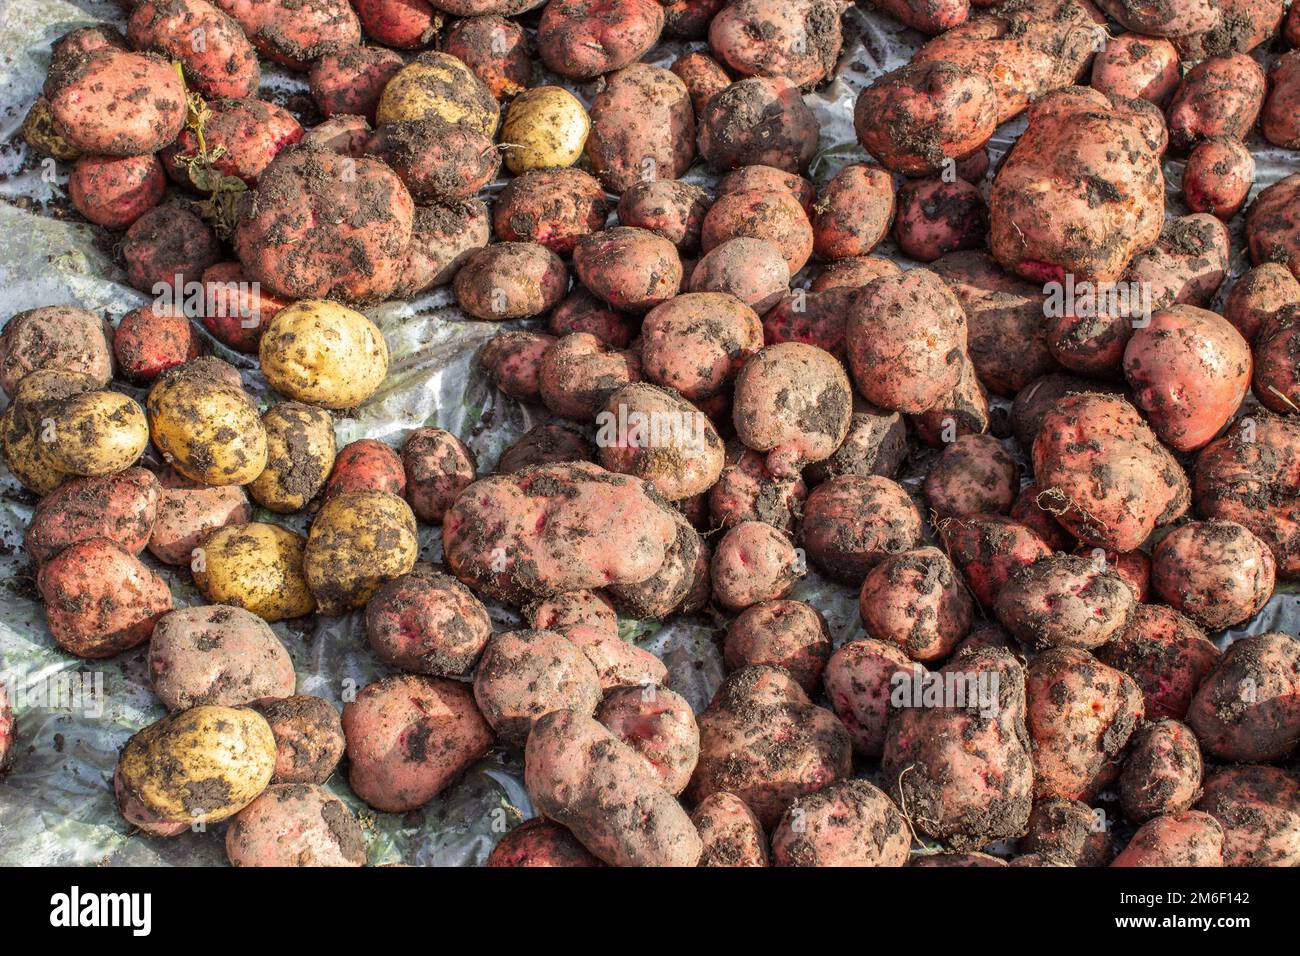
{"type": "Point", "coordinates": [753, 562]}
{"type": "Point", "coordinates": [525, 674]}
{"type": "Point", "coordinates": [1217, 177]}
{"type": "Point", "coordinates": [1137, 67]}
{"type": "Point", "coordinates": [442, 238]}
{"type": "Point", "coordinates": [323, 353]}
{"type": "Point", "coordinates": [633, 270]}
{"type": "Point", "coordinates": [1248, 709]}
{"type": "Point", "coordinates": [437, 466]}
{"type": "Point", "coordinates": [583, 312]}
{"type": "Point", "coordinates": [860, 678]}
{"type": "Point", "coordinates": [150, 340]}
{"type": "Point", "coordinates": [437, 161]}
{"type": "Point", "coordinates": [1065, 601]}
{"type": "Point", "coordinates": [1220, 96]}
{"type": "Point", "coordinates": [697, 342]}
{"type": "Point", "coordinates": [409, 737]}
{"type": "Point", "coordinates": [99, 599]}
{"type": "Point", "coordinates": [849, 823]}
{"type": "Point", "coordinates": [39, 133]}
{"type": "Point", "coordinates": [1273, 226]}
{"type": "Point", "coordinates": [299, 456]}
{"type": "Point", "coordinates": [295, 35]}
{"type": "Point", "coordinates": [702, 74]}
{"type": "Point", "coordinates": [358, 258]}
{"type": "Point", "coordinates": [973, 475]}
{"type": "Point", "coordinates": [1069, 831]}
{"type": "Point", "coordinates": [762, 740]}
{"type": "Point", "coordinates": [165, 242]}
{"type": "Point", "coordinates": [197, 766]}
{"type": "Point", "coordinates": [964, 769]}
{"type": "Point", "coordinates": [936, 217]}
{"type": "Point", "coordinates": [540, 842]}
{"type": "Point", "coordinates": [731, 834]}
{"type": "Point", "coordinates": [876, 444]}
{"type": "Point", "coordinates": [113, 103]}
{"type": "Point", "coordinates": [427, 622]}
{"type": "Point", "coordinates": [1277, 372]}
{"type": "Point", "coordinates": [1081, 714]}
{"type": "Point", "coordinates": [235, 309]}
{"type": "Point", "coordinates": [496, 49]}
{"type": "Point", "coordinates": [121, 507]}
{"type": "Point", "coordinates": [917, 601]}
{"type": "Point", "coordinates": [295, 824]}
{"type": "Point", "coordinates": [439, 85]}
{"type": "Point", "coordinates": [115, 191]}
{"type": "Point", "coordinates": [581, 39]}
{"type": "Point", "coordinates": [799, 40]}
{"type": "Point", "coordinates": [758, 121]}
{"type": "Point", "coordinates": [544, 445]}
{"type": "Point", "coordinates": [1166, 654]}
{"type": "Point", "coordinates": [666, 207]}
{"type": "Point", "coordinates": [1277, 120]}
{"type": "Point", "coordinates": [1216, 572]}
{"type": "Point", "coordinates": [788, 634]}
{"type": "Point", "coordinates": [587, 619]}
{"type": "Point", "coordinates": [343, 134]}
{"type": "Point", "coordinates": [545, 128]}
{"type": "Point", "coordinates": [210, 654]}
{"type": "Point", "coordinates": [255, 566]}
{"type": "Point", "coordinates": [510, 280]}
{"type": "Point", "coordinates": [54, 337]}
{"type": "Point", "coordinates": [205, 425]}
{"type": "Point", "coordinates": [752, 270]}
{"type": "Point", "coordinates": [747, 491]}
{"type": "Point", "coordinates": [404, 24]}
{"type": "Point", "coordinates": [308, 737]}
{"type": "Point", "coordinates": [659, 725]}
{"type": "Point", "coordinates": [642, 127]}
{"type": "Point", "coordinates": [513, 361]}
{"type": "Point", "coordinates": [1259, 810]}
{"type": "Point", "coordinates": [582, 776]}
{"type": "Point", "coordinates": [658, 436]}
{"type": "Point", "coordinates": [349, 83]}
{"type": "Point", "coordinates": [359, 540]}
{"type": "Point", "coordinates": [577, 373]}
{"type": "Point", "coordinates": [773, 215]}
{"type": "Point", "coordinates": [851, 523]}
{"type": "Point", "coordinates": [1190, 838]}
{"type": "Point", "coordinates": [554, 207]}
{"type": "Point", "coordinates": [187, 511]}
{"type": "Point", "coordinates": [1162, 772]}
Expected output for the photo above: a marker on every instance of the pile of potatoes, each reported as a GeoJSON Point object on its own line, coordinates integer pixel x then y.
{"type": "Point", "coordinates": [1048, 510]}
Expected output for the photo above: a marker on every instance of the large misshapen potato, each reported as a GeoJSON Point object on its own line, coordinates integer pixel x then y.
{"type": "Point", "coordinates": [121, 507]}
{"type": "Point", "coordinates": [217, 57]}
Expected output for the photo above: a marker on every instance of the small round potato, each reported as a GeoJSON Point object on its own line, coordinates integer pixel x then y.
{"type": "Point", "coordinates": [513, 361]}
{"type": "Point", "coordinates": [577, 374]}
{"type": "Point", "coordinates": [205, 425]}
{"type": "Point", "coordinates": [633, 270]}
{"type": "Point", "coordinates": [753, 562]}
{"type": "Point", "coordinates": [774, 215]}
{"type": "Point", "coordinates": [702, 74]}
{"type": "Point", "coordinates": [1218, 573]}
{"type": "Point", "coordinates": [752, 270]}
{"type": "Point", "coordinates": [438, 466]}
{"type": "Point", "coordinates": [295, 824]}
{"type": "Point", "coordinates": [859, 680]}
{"type": "Point", "coordinates": [1247, 708]}
{"type": "Point", "coordinates": [323, 353]}
{"type": "Point", "coordinates": [642, 127]}
{"type": "Point", "coordinates": [540, 842]}
{"type": "Point", "coordinates": [917, 601]}
{"type": "Point", "coordinates": [115, 191]}
{"type": "Point", "coordinates": [366, 464]}
{"type": "Point", "coordinates": [188, 510]}
{"type": "Point", "coordinates": [496, 49]}
{"type": "Point", "coordinates": [697, 342]}
{"type": "Point", "coordinates": [667, 207]}
{"type": "Point", "coordinates": [426, 622]}
{"type": "Point", "coordinates": [731, 834]}
{"type": "Point", "coordinates": [351, 82]}
{"type": "Point", "coordinates": [299, 456]}
{"type": "Point", "coordinates": [308, 737]}
{"type": "Point", "coordinates": [660, 437]}
{"type": "Point", "coordinates": [545, 128]}
{"type": "Point", "coordinates": [758, 121]}
{"type": "Point", "coordinates": [150, 340]}
{"type": "Point", "coordinates": [358, 541]}
{"type": "Point", "coordinates": [854, 213]}
{"type": "Point", "coordinates": [1162, 772]}
{"type": "Point", "coordinates": [255, 566]}
{"type": "Point", "coordinates": [555, 207]}
{"type": "Point", "coordinates": [1065, 601]}
{"type": "Point", "coordinates": [582, 39]}
{"type": "Point", "coordinates": [510, 280]}
{"type": "Point", "coordinates": [974, 475]}
{"type": "Point", "coordinates": [438, 84]}
{"type": "Point", "coordinates": [747, 491]}
{"type": "Point", "coordinates": [121, 507]}
{"type": "Point", "coordinates": [525, 674]}
{"type": "Point", "coordinates": [788, 634]}
{"type": "Point", "coordinates": [165, 242]}
{"type": "Point", "coordinates": [851, 523]}
{"type": "Point", "coordinates": [200, 765]}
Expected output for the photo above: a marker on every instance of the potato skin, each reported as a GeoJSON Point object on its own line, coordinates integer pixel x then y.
{"type": "Point", "coordinates": [752, 270]}
{"type": "Point", "coordinates": [1162, 773]}
{"type": "Point", "coordinates": [1064, 601]}
{"type": "Point", "coordinates": [210, 654]}
{"type": "Point", "coordinates": [59, 337]}
{"type": "Point", "coordinates": [581, 39]}
{"type": "Point", "coordinates": [916, 601]}
{"type": "Point", "coordinates": [217, 760]}
{"type": "Point", "coordinates": [113, 103]}
{"type": "Point", "coordinates": [659, 725]}
{"type": "Point", "coordinates": [7, 732]}
{"type": "Point", "coordinates": [187, 511]}
{"type": "Point", "coordinates": [577, 374]}
{"type": "Point", "coordinates": [1216, 572]}
{"type": "Point", "coordinates": [540, 842]}
{"type": "Point", "coordinates": [1190, 838]}
{"type": "Point", "coordinates": [800, 40]}
{"type": "Point", "coordinates": [1247, 708]}
{"type": "Point", "coordinates": [150, 340]}
{"type": "Point", "coordinates": [666, 207]}
{"type": "Point", "coordinates": [525, 674]}
{"type": "Point", "coordinates": [1273, 226]}
{"type": "Point", "coordinates": [359, 540]}
{"type": "Point", "coordinates": [633, 270]}
{"type": "Point", "coordinates": [427, 622]}
{"type": "Point", "coordinates": [293, 37]}
{"type": "Point", "coordinates": [513, 361]}
{"type": "Point", "coordinates": [1080, 715]}
{"type": "Point", "coordinates": [350, 82]}
{"type": "Point", "coordinates": [223, 65]}
{"type": "Point", "coordinates": [758, 121]}
{"type": "Point", "coordinates": [555, 207]}
{"type": "Point", "coordinates": [696, 342]}
{"type": "Point", "coordinates": [547, 128]}
{"type": "Point", "coordinates": [774, 215]}
{"type": "Point", "coordinates": [99, 599]}
{"type": "Point", "coordinates": [510, 280]}
{"type": "Point", "coordinates": [404, 24]}
{"type": "Point", "coordinates": [849, 823]}
{"type": "Point", "coordinates": [300, 454]}
{"type": "Point", "coordinates": [1067, 830]}
{"type": "Point", "coordinates": [121, 507]}
{"type": "Point", "coordinates": [437, 466]}
{"type": "Point", "coordinates": [1259, 810]}
{"type": "Point", "coordinates": [437, 161]}
{"type": "Point", "coordinates": [642, 126]}
{"type": "Point", "coordinates": [323, 353]}
{"type": "Point", "coordinates": [115, 191]}
{"type": "Point", "coordinates": [409, 737]}
{"type": "Point", "coordinates": [678, 461]}
{"type": "Point", "coordinates": [788, 634]}
{"type": "Point", "coordinates": [205, 426]}
{"type": "Point", "coordinates": [1220, 96]}
{"type": "Point", "coordinates": [1134, 65]}
{"type": "Point", "coordinates": [753, 562]}
{"type": "Point", "coordinates": [235, 309]}
{"type": "Point", "coordinates": [1277, 374]}
{"type": "Point", "coordinates": [255, 566]}
{"type": "Point", "coordinates": [308, 737]}
{"type": "Point", "coordinates": [731, 834]}
{"type": "Point", "coordinates": [936, 217]}
{"type": "Point", "coordinates": [973, 475]}
{"type": "Point", "coordinates": [762, 740]}
{"type": "Point", "coordinates": [1217, 177]}
{"type": "Point", "coordinates": [859, 679]}
{"type": "Point", "coordinates": [850, 524]}
{"type": "Point", "coordinates": [496, 49]}
{"type": "Point", "coordinates": [1167, 654]}
{"type": "Point", "coordinates": [295, 825]}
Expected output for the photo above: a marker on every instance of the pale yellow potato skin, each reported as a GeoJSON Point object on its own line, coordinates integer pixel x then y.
{"type": "Point", "coordinates": [118, 430]}
{"type": "Point", "coordinates": [27, 457]}
{"type": "Point", "coordinates": [545, 128]}
{"type": "Point", "coordinates": [439, 85]}
{"type": "Point", "coordinates": [300, 451]}
{"type": "Point", "coordinates": [206, 427]}
{"type": "Point", "coordinates": [255, 566]}
{"type": "Point", "coordinates": [323, 353]}
{"type": "Point", "coordinates": [201, 765]}
{"type": "Point", "coordinates": [359, 540]}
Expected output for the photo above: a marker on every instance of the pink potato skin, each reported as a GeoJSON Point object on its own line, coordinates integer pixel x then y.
{"type": "Point", "coordinates": [760, 214]}
{"type": "Point", "coordinates": [697, 342]}
{"type": "Point", "coordinates": [115, 191]}
{"type": "Point", "coordinates": [249, 132]}
{"type": "Point", "coordinates": [295, 36]}
{"type": "Point", "coordinates": [731, 834]}
{"type": "Point", "coordinates": [1167, 654]}
{"type": "Point", "coordinates": [937, 217]}
{"type": "Point", "coordinates": [188, 511]}
{"type": "Point", "coordinates": [788, 634]}
{"type": "Point", "coordinates": [1259, 809]}
{"type": "Point", "coordinates": [223, 65]}
{"type": "Point", "coordinates": [851, 523]}
{"type": "Point", "coordinates": [523, 675]}
{"type": "Point", "coordinates": [582, 39]}
{"type": "Point", "coordinates": [426, 622]}
{"type": "Point", "coordinates": [928, 16]}
{"type": "Point", "coordinates": [578, 373]}
{"type": "Point", "coordinates": [121, 507]}
{"type": "Point", "coordinates": [758, 121]}
{"type": "Point", "coordinates": [1190, 838]}
{"type": "Point", "coordinates": [642, 126]}
{"type": "Point", "coordinates": [1256, 298]}
{"type": "Point", "coordinates": [366, 464]}
{"type": "Point", "coordinates": [917, 601]}
{"type": "Point", "coordinates": [849, 823]}
{"type": "Point", "coordinates": [631, 269]}
{"type": "Point", "coordinates": [513, 362]}
{"type": "Point", "coordinates": [438, 467]}
{"type": "Point", "coordinates": [1162, 773]}
{"type": "Point", "coordinates": [295, 824]}
{"type": "Point", "coordinates": [659, 725]}
{"type": "Point", "coordinates": [798, 39]}
{"type": "Point", "coordinates": [1137, 67]}
{"type": "Point", "coordinates": [859, 679]}
{"type": "Point", "coordinates": [1221, 96]}
{"type": "Point", "coordinates": [144, 93]}
{"type": "Point", "coordinates": [1216, 572]}
{"type": "Point", "coordinates": [350, 83]}
{"type": "Point", "coordinates": [403, 24]}
{"type": "Point", "coordinates": [1248, 708]}
{"type": "Point", "coordinates": [236, 310]}
{"type": "Point", "coordinates": [1218, 176]}
{"type": "Point", "coordinates": [1273, 225]}
{"type": "Point", "coordinates": [752, 270]}
{"type": "Point", "coordinates": [988, 549]}
{"type": "Point", "coordinates": [308, 737]}
{"type": "Point", "coordinates": [855, 212]}
{"type": "Point", "coordinates": [753, 562]}
{"type": "Point", "coordinates": [587, 619]}
{"type": "Point", "coordinates": [540, 842]}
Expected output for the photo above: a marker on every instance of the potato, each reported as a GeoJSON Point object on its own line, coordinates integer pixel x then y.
{"type": "Point", "coordinates": [788, 634]}
{"type": "Point", "coordinates": [1067, 831]}
{"type": "Point", "coordinates": [773, 215]}
{"type": "Point", "coordinates": [40, 134]}
{"type": "Point", "coordinates": [753, 562]}
{"type": "Point", "coordinates": [113, 103]}
{"type": "Point", "coordinates": [1170, 19]}
{"type": "Point", "coordinates": [1278, 121]}
{"type": "Point", "coordinates": [545, 128]}
{"type": "Point", "coordinates": [917, 601]}
{"type": "Point", "coordinates": [439, 85]}
{"type": "Point", "coordinates": [1131, 567]}
{"type": "Point", "coordinates": [752, 270]}
{"type": "Point", "coordinates": [747, 491]}
{"type": "Point", "coordinates": [1166, 654]}
{"type": "Point", "coordinates": [295, 35]}
{"type": "Point", "coordinates": [758, 121]}
{"type": "Point", "coordinates": [150, 340]}
{"type": "Point", "coordinates": [793, 402]}
{"type": "Point", "coordinates": [255, 566]}
{"type": "Point", "coordinates": [1218, 176]}
{"type": "Point", "coordinates": [198, 766]}
{"type": "Point", "coordinates": [850, 524]}
{"type": "Point", "coordinates": [1276, 371]}
{"type": "Point", "coordinates": [1162, 773]}
{"type": "Point", "coordinates": [188, 510]}
{"type": "Point", "coordinates": [914, 119]}
{"type": "Point", "coordinates": [86, 431]}
{"type": "Point", "coordinates": [7, 733]}
{"type": "Point", "coordinates": [936, 217]}
{"type": "Point", "coordinates": [1080, 716]}
{"type": "Point", "coordinates": [689, 19]}
{"type": "Point", "coordinates": [544, 445]}
{"type": "Point", "coordinates": [642, 127]}
{"type": "Point", "coordinates": [496, 49]}
{"type": "Point", "coordinates": [963, 769]}
{"type": "Point", "coordinates": [121, 508]}
{"type": "Point", "coordinates": [666, 207]}
{"type": "Point", "coordinates": [583, 312]}
{"type": "Point", "coordinates": [731, 834]}
{"type": "Point", "coordinates": [510, 280]}
{"type": "Point", "coordinates": [359, 540]}
{"type": "Point", "coordinates": [427, 622]}
{"type": "Point", "coordinates": [525, 674]}
{"type": "Point", "coordinates": [236, 310]}
{"type": "Point", "coordinates": [659, 437]}
{"type": "Point", "coordinates": [1216, 572]}
{"type": "Point", "coordinates": [308, 737]}
{"type": "Point", "coordinates": [587, 619]}
{"type": "Point", "coordinates": [555, 207]}
{"type": "Point", "coordinates": [300, 453]}
{"type": "Point", "coordinates": [957, 859]}
{"type": "Point", "coordinates": [701, 73]}
{"type": "Point", "coordinates": [1247, 708]}
{"type": "Point", "coordinates": [633, 270]}
{"type": "Point", "coordinates": [165, 242]}
{"type": "Point", "coordinates": [876, 444]}
{"type": "Point", "coordinates": [87, 39]}
{"type": "Point", "coordinates": [659, 725]}
{"type": "Point", "coordinates": [849, 823]}
{"type": "Point", "coordinates": [974, 475]}
{"type": "Point", "coordinates": [409, 737]}
{"type": "Point", "coordinates": [578, 373]}
{"type": "Point", "coordinates": [1064, 601]}
{"type": "Point", "coordinates": [205, 426]}
{"type": "Point", "coordinates": [323, 353]}
{"type": "Point", "coordinates": [539, 842]}
{"type": "Point", "coordinates": [798, 40]}
{"type": "Point", "coordinates": [581, 39]}
{"type": "Point", "coordinates": [893, 365]}
{"type": "Point", "coordinates": [442, 238]}
{"type": "Point", "coordinates": [681, 577]}
{"type": "Point", "coordinates": [115, 191]}
{"type": "Point", "coordinates": [217, 655]}
{"type": "Point", "coordinates": [1191, 838]}
{"type": "Point", "coordinates": [358, 259]}
{"type": "Point", "coordinates": [859, 679]}
{"type": "Point", "coordinates": [350, 82]}
{"type": "Point", "coordinates": [345, 135]}
{"type": "Point", "coordinates": [366, 464]}
{"type": "Point", "coordinates": [1256, 298]}
{"type": "Point", "coordinates": [1145, 486]}
{"type": "Point", "coordinates": [763, 741]}
{"type": "Point", "coordinates": [405, 24]}
{"type": "Point", "coordinates": [437, 466]}
{"type": "Point", "coordinates": [1273, 227]}
{"type": "Point", "coordinates": [1136, 66]}
{"type": "Point", "coordinates": [1220, 96]}
{"type": "Point", "coordinates": [1259, 810]}
{"type": "Point", "coordinates": [56, 337]}
{"type": "Point", "coordinates": [697, 342]}
{"type": "Point", "coordinates": [223, 64]}
{"type": "Point", "coordinates": [583, 777]}
{"type": "Point", "coordinates": [513, 362]}
{"type": "Point", "coordinates": [99, 599]}
{"type": "Point", "coordinates": [437, 162]}
{"type": "Point", "coordinates": [294, 824]}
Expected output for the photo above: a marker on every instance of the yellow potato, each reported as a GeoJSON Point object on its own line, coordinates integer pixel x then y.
{"type": "Point", "coordinates": [98, 433]}
{"type": "Point", "coordinates": [438, 85]}
{"type": "Point", "coordinates": [27, 457]}
{"type": "Point", "coordinates": [200, 765]}
{"type": "Point", "coordinates": [546, 127]}
{"type": "Point", "coordinates": [359, 540]}
{"type": "Point", "coordinates": [299, 455]}
{"type": "Point", "coordinates": [39, 133]}
{"type": "Point", "coordinates": [324, 354]}
{"type": "Point", "coordinates": [255, 566]}
{"type": "Point", "coordinates": [206, 426]}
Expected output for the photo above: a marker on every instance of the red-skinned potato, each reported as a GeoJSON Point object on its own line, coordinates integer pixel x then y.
{"type": "Point", "coordinates": [404, 24]}
{"type": "Point", "coordinates": [703, 76]}
{"type": "Point", "coordinates": [443, 237]}
{"type": "Point", "coordinates": [963, 411]}
{"type": "Point", "coordinates": [799, 40]}
{"type": "Point", "coordinates": [659, 725]}
{"type": "Point", "coordinates": [1170, 18]}
{"type": "Point", "coordinates": [852, 273]}
{"type": "Point", "coordinates": [775, 216]}
{"type": "Point", "coordinates": [1064, 601]}
{"type": "Point", "coordinates": [689, 19]}
{"type": "Point", "coordinates": [540, 842]}
{"type": "Point", "coordinates": [851, 523]}
{"type": "Point", "coordinates": [513, 361]}
{"type": "Point", "coordinates": [437, 161]}
{"type": "Point", "coordinates": [1038, 397]}
{"type": "Point", "coordinates": [295, 824]}
{"type": "Point", "coordinates": [121, 507]}
{"type": "Point", "coordinates": [1216, 572]}
{"type": "Point", "coordinates": [366, 464]}
{"type": "Point", "coordinates": [343, 134]}
{"type": "Point", "coordinates": [658, 436]}
{"type": "Point", "coordinates": [349, 83]}
{"type": "Point", "coordinates": [1248, 708]}
{"type": "Point", "coordinates": [525, 674]}
{"type": "Point", "coordinates": [752, 270]}
{"type": "Point", "coordinates": [973, 475]}
{"type": "Point", "coordinates": [426, 622]}
{"type": "Point", "coordinates": [7, 733]}
{"type": "Point", "coordinates": [1278, 121]}
{"type": "Point", "coordinates": [753, 562]}
{"type": "Point", "coordinates": [1135, 66]}
{"type": "Point", "coordinates": [295, 36]}
{"type": "Point", "coordinates": [496, 49]}
{"type": "Point", "coordinates": [767, 179]}
{"type": "Point", "coordinates": [166, 242]}
{"type": "Point", "coordinates": [1221, 96]}
{"type": "Point", "coordinates": [788, 634]}
{"type": "Point", "coordinates": [223, 64]}
{"type": "Point", "coordinates": [1167, 654]}
{"type": "Point", "coordinates": [578, 373]}
{"type": "Point", "coordinates": [697, 342]}
{"type": "Point", "coordinates": [587, 619]}
{"type": "Point", "coordinates": [308, 737]}
{"type": "Point", "coordinates": [859, 679]}
{"type": "Point", "coordinates": [544, 445]}
{"type": "Point", "coordinates": [115, 103]}
{"type": "Point", "coordinates": [633, 270]}
{"type": "Point", "coordinates": [849, 823]}
{"type": "Point", "coordinates": [236, 310]}
{"type": "Point", "coordinates": [747, 491]}
{"type": "Point", "coordinates": [510, 280]}
{"type": "Point", "coordinates": [581, 39]}
{"type": "Point", "coordinates": [115, 191]}
{"type": "Point", "coordinates": [667, 207]}
{"type": "Point", "coordinates": [1259, 810]}
{"type": "Point", "coordinates": [87, 39]}
{"type": "Point", "coordinates": [1162, 773]}
{"type": "Point", "coordinates": [1186, 266]}
{"type": "Point", "coordinates": [854, 212]}
{"type": "Point", "coordinates": [1190, 838]}
{"type": "Point", "coordinates": [642, 126]}
{"type": "Point", "coordinates": [56, 337]}
{"type": "Point", "coordinates": [1256, 298]}
{"type": "Point", "coordinates": [409, 737]}
{"type": "Point", "coordinates": [1027, 511]}
{"type": "Point", "coordinates": [1218, 176]}
{"type": "Point", "coordinates": [987, 549]}
{"type": "Point", "coordinates": [877, 444]}
{"type": "Point", "coordinates": [930, 16]}
{"type": "Point", "coordinates": [188, 510]}
{"type": "Point", "coordinates": [583, 312]}
{"type": "Point", "coordinates": [438, 467]}
{"type": "Point", "coordinates": [937, 217]}
{"type": "Point", "coordinates": [1067, 830]}
{"type": "Point", "coordinates": [916, 601]}
{"type": "Point", "coordinates": [1277, 373]}
{"type": "Point", "coordinates": [1273, 225]}
{"type": "Point", "coordinates": [758, 121]}
{"type": "Point", "coordinates": [731, 834]}
{"type": "Point", "coordinates": [150, 340]}
{"type": "Point", "coordinates": [554, 207]}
